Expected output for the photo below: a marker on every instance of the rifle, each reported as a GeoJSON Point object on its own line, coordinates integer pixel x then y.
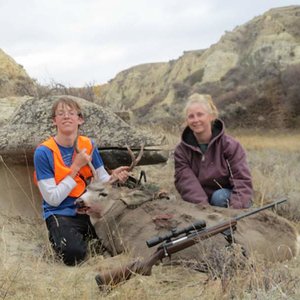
{"type": "Point", "coordinates": [192, 234]}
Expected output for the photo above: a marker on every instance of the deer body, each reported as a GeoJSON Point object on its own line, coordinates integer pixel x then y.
{"type": "Point", "coordinates": [123, 229]}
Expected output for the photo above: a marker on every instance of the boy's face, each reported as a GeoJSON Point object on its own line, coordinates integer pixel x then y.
{"type": "Point", "coordinates": [66, 119]}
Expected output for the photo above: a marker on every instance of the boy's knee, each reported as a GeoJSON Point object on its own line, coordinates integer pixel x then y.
{"type": "Point", "coordinates": [71, 253]}
{"type": "Point", "coordinates": [73, 256]}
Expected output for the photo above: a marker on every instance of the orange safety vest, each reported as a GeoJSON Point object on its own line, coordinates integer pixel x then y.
{"type": "Point", "coordinates": [61, 170]}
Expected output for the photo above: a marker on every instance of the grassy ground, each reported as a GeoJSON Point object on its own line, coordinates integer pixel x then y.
{"type": "Point", "coordinates": [28, 269]}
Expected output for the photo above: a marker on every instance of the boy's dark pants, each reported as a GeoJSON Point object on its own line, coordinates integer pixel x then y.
{"type": "Point", "coordinates": [69, 236]}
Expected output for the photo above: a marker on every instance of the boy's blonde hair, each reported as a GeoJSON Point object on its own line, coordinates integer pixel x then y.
{"type": "Point", "coordinates": [203, 99]}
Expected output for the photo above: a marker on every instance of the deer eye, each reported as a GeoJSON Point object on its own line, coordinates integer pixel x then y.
{"type": "Point", "coordinates": [102, 194]}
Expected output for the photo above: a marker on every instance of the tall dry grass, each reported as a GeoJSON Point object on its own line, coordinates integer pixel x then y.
{"type": "Point", "coordinates": [29, 269]}
{"type": "Point", "coordinates": [274, 159]}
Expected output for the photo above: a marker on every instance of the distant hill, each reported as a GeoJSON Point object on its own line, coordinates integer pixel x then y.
{"type": "Point", "coordinates": [253, 73]}
{"type": "Point", "coordinates": [14, 81]}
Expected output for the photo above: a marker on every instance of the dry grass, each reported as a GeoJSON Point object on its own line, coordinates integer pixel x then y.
{"type": "Point", "coordinates": [274, 159]}
{"type": "Point", "coordinates": [281, 141]}
{"type": "Point", "coordinates": [28, 269]}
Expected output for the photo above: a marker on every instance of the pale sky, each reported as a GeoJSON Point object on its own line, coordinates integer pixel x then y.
{"type": "Point", "coordinates": [80, 42]}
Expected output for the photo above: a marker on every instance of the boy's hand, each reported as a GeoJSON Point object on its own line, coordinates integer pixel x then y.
{"type": "Point", "coordinates": [81, 159]}
{"type": "Point", "coordinates": [121, 174]}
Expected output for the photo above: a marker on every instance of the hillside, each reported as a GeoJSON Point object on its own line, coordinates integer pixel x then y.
{"type": "Point", "coordinates": [252, 73]}
{"type": "Point", "coordinates": [14, 81]}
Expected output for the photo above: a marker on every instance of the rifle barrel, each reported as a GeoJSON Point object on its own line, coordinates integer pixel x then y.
{"type": "Point", "coordinates": [259, 209]}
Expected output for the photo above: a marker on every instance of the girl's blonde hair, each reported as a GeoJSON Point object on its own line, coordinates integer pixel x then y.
{"type": "Point", "coordinates": [205, 100]}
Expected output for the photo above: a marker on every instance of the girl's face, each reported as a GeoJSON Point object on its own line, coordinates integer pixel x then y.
{"type": "Point", "coordinates": [198, 118]}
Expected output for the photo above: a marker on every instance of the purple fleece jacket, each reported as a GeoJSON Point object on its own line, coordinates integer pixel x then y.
{"type": "Point", "coordinates": [223, 165]}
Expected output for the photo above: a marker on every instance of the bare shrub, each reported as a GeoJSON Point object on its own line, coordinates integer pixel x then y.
{"type": "Point", "coordinates": [194, 77]}
{"type": "Point", "coordinates": [181, 90]}
{"type": "Point", "coordinates": [35, 89]}
{"type": "Point", "coordinates": [144, 110]}
{"type": "Point", "coordinates": [290, 82]}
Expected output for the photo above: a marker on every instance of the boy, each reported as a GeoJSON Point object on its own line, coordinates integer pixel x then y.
{"type": "Point", "coordinates": [61, 176]}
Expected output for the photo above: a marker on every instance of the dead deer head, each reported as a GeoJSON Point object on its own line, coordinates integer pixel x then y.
{"type": "Point", "coordinates": [95, 199]}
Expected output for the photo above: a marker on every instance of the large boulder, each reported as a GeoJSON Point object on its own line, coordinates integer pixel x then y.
{"type": "Point", "coordinates": [31, 123]}
{"type": "Point", "coordinates": [8, 105]}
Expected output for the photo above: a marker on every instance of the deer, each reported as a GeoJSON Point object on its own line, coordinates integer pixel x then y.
{"type": "Point", "coordinates": [99, 197]}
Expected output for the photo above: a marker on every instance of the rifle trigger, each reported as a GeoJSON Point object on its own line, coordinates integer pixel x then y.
{"type": "Point", "coordinates": [165, 251]}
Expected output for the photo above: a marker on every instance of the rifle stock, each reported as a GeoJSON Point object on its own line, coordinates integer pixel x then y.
{"type": "Point", "coordinates": [144, 267]}
{"type": "Point", "coordinates": [124, 273]}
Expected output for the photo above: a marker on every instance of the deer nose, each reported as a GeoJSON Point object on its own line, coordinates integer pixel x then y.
{"type": "Point", "coordinates": [79, 203]}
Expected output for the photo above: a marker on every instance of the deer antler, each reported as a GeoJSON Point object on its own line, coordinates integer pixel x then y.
{"type": "Point", "coordinates": [89, 163]}
{"type": "Point", "coordinates": [135, 160]}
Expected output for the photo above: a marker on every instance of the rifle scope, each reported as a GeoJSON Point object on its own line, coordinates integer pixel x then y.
{"type": "Point", "coordinates": [198, 225]}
